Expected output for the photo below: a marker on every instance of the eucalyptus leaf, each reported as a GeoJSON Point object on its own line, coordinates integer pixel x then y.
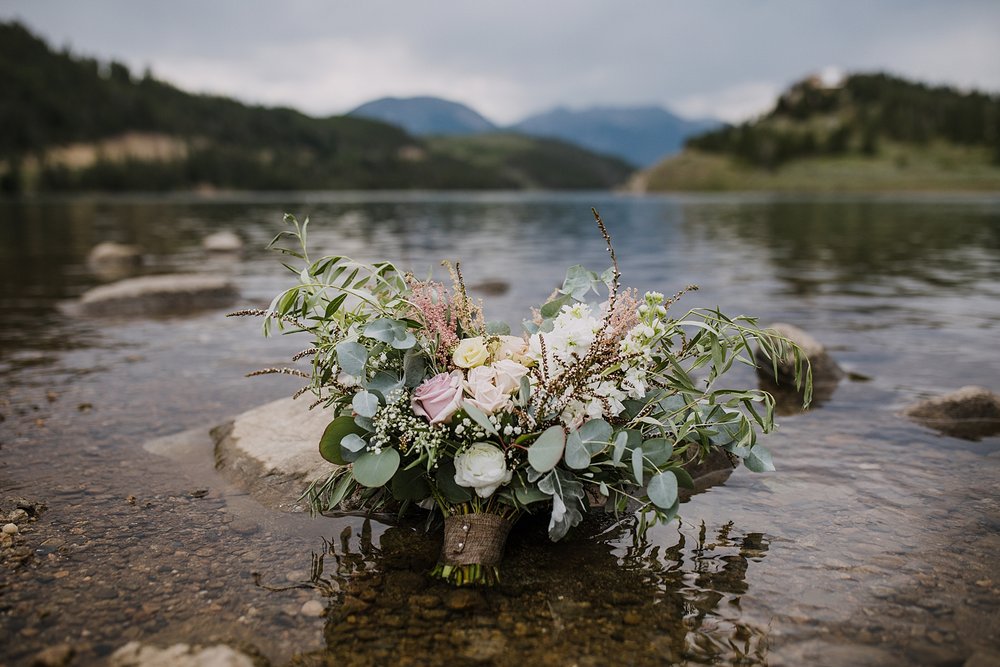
{"type": "Point", "coordinates": [405, 341]}
{"type": "Point", "coordinates": [383, 330]}
{"type": "Point", "coordinates": [329, 444]}
{"type": "Point", "coordinates": [657, 451]}
{"type": "Point", "coordinates": [373, 470]}
{"type": "Point", "coordinates": [351, 357]}
{"type": "Point", "coordinates": [414, 368]}
{"type": "Point", "coordinates": [577, 455]}
{"type": "Point", "coordinates": [529, 494]}
{"type": "Point", "coordinates": [662, 490]}
{"type": "Point", "coordinates": [579, 281]}
{"type": "Point", "coordinates": [683, 478]}
{"type": "Point", "coordinates": [619, 447]}
{"type": "Point", "coordinates": [547, 450]}
{"type": "Point", "coordinates": [384, 383]}
{"type": "Point", "coordinates": [595, 435]}
{"type": "Point", "coordinates": [552, 308]}
{"type": "Point", "coordinates": [479, 417]}
{"type": "Point", "coordinates": [637, 465]}
{"type": "Point", "coordinates": [365, 404]}
{"type": "Point", "coordinates": [497, 328]}
{"type": "Point", "coordinates": [353, 442]}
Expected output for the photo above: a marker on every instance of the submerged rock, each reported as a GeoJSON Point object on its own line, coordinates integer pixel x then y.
{"type": "Point", "coordinates": [114, 261]}
{"type": "Point", "coordinates": [969, 413]}
{"type": "Point", "coordinates": [225, 241]}
{"type": "Point", "coordinates": [159, 295]}
{"type": "Point", "coordinates": [136, 654]}
{"type": "Point", "coordinates": [273, 451]}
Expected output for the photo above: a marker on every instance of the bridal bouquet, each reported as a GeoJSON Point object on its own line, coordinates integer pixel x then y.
{"type": "Point", "coordinates": [596, 404]}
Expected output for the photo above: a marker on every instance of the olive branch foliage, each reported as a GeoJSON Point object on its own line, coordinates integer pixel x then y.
{"type": "Point", "coordinates": [360, 320]}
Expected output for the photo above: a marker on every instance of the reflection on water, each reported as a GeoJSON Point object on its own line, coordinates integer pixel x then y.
{"type": "Point", "coordinates": [590, 601]}
{"type": "Point", "coordinates": [874, 543]}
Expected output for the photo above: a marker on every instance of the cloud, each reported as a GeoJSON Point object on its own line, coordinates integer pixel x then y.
{"type": "Point", "coordinates": [733, 104]}
{"type": "Point", "coordinates": [712, 57]}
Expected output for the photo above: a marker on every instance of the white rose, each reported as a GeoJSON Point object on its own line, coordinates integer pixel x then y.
{"type": "Point", "coordinates": [471, 352]}
{"type": "Point", "coordinates": [508, 375]}
{"type": "Point", "coordinates": [482, 468]}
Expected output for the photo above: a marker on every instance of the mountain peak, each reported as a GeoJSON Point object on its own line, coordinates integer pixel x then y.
{"type": "Point", "coordinates": [425, 115]}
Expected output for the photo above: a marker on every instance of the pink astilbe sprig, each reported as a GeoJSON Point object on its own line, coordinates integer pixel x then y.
{"type": "Point", "coordinates": [624, 316]}
{"type": "Point", "coordinates": [433, 307]}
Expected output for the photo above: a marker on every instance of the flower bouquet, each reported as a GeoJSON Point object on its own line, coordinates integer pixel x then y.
{"type": "Point", "coordinates": [594, 405]}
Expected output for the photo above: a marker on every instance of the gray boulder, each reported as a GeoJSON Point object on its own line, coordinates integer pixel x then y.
{"type": "Point", "coordinates": [273, 451]}
{"type": "Point", "coordinates": [969, 413]}
{"type": "Point", "coordinates": [225, 241]}
{"type": "Point", "coordinates": [158, 295]}
{"type": "Point", "coordinates": [136, 654]}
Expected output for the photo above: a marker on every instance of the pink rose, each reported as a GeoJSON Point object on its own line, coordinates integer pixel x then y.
{"type": "Point", "coordinates": [485, 394]}
{"type": "Point", "coordinates": [439, 397]}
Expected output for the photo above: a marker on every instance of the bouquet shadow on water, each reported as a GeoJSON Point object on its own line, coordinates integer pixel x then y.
{"type": "Point", "coordinates": [606, 595]}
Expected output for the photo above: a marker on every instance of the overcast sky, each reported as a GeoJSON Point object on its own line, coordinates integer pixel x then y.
{"type": "Point", "coordinates": [510, 58]}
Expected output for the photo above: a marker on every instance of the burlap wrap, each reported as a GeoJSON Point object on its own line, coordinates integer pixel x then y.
{"type": "Point", "coordinates": [474, 539]}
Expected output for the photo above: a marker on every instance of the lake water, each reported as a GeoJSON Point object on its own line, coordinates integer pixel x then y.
{"type": "Point", "coordinates": [876, 542]}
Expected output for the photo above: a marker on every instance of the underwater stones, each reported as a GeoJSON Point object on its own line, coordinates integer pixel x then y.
{"type": "Point", "coordinates": [225, 241]}
{"type": "Point", "coordinates": [273, 450]}
{"type": "Point", "coordinates": [136, 654]}
{"type": "Point", "coordinates": [158, 295]}
{"type": "Point", "coordinates": [113, 261]}
{"type": "Point", "coordinates": [969, 413]}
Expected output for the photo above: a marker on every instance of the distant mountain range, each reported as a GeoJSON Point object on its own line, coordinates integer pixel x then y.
{"type": "Point", "coordinates": [639, 135]}
{"type": "Point", "coordinates": [423, 116]}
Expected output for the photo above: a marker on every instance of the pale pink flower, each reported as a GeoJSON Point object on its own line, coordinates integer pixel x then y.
{"type": "Point", "coordinates": [438, 398]}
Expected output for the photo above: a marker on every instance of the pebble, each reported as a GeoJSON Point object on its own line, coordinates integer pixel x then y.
{"type": "Point", "coordinates": [17, 516]}
{"type": "Point", "coordinates": [54, 656]}
{"type": "Point", "coordinates": [313, 608]}
{"type": "Point", "coordinates": [10, 529]}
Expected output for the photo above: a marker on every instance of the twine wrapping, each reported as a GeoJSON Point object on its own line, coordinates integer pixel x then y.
{"type": "Point", "coordinates": [474, 539]}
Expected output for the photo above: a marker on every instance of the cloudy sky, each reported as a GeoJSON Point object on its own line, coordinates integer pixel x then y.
{"type": "Point", "coordinates": [512, 58]}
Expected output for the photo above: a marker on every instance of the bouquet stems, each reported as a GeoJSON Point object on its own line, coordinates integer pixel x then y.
{"type": "Point", "coordinates": [473, 547]}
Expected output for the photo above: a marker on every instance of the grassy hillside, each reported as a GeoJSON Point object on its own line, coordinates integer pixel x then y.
{"type": "Point", "coordinates": [533, 163]}
{"type": "Point", "coordinates": [72, 123]}
{"type": "Point", "coordinates": [874, 132]}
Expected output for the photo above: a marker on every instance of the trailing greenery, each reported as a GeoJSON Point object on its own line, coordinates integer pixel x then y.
{"type": "Point", "coordinates": [55, 99]}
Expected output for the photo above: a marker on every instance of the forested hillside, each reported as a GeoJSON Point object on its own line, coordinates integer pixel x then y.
{"type": "Point", "coordinates": [75, 123]}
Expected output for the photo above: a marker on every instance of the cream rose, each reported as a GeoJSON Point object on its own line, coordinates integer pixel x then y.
{"type": "Point", "coordinates": [481, 467]}
{"type": "Point", "coordinates": [510, 347]}
{"type": "Point", "coordinates": [471, 352]}
{"type": "Point", "coordinates": [508, 375]}
{"type": "Point", "coordinates": [485, 395]}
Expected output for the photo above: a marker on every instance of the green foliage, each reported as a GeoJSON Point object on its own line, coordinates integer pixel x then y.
{"type": "Point", "coordinates": [811, 120]}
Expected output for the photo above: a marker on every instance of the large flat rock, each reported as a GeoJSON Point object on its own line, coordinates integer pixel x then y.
{"type": "Point", "coordinates": [273, 451]}
{"type": "Point", "coordinates": [159, 295]}
{"type": "Point", "coordinates": [969, 413]}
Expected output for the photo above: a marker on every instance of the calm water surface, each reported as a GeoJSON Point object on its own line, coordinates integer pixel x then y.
{"type": "Point", "coordinates": [876, 542]}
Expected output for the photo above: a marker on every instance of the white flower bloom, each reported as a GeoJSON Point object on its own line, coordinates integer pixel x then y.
{"type": "Point", "coordinates": [481, 467]}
